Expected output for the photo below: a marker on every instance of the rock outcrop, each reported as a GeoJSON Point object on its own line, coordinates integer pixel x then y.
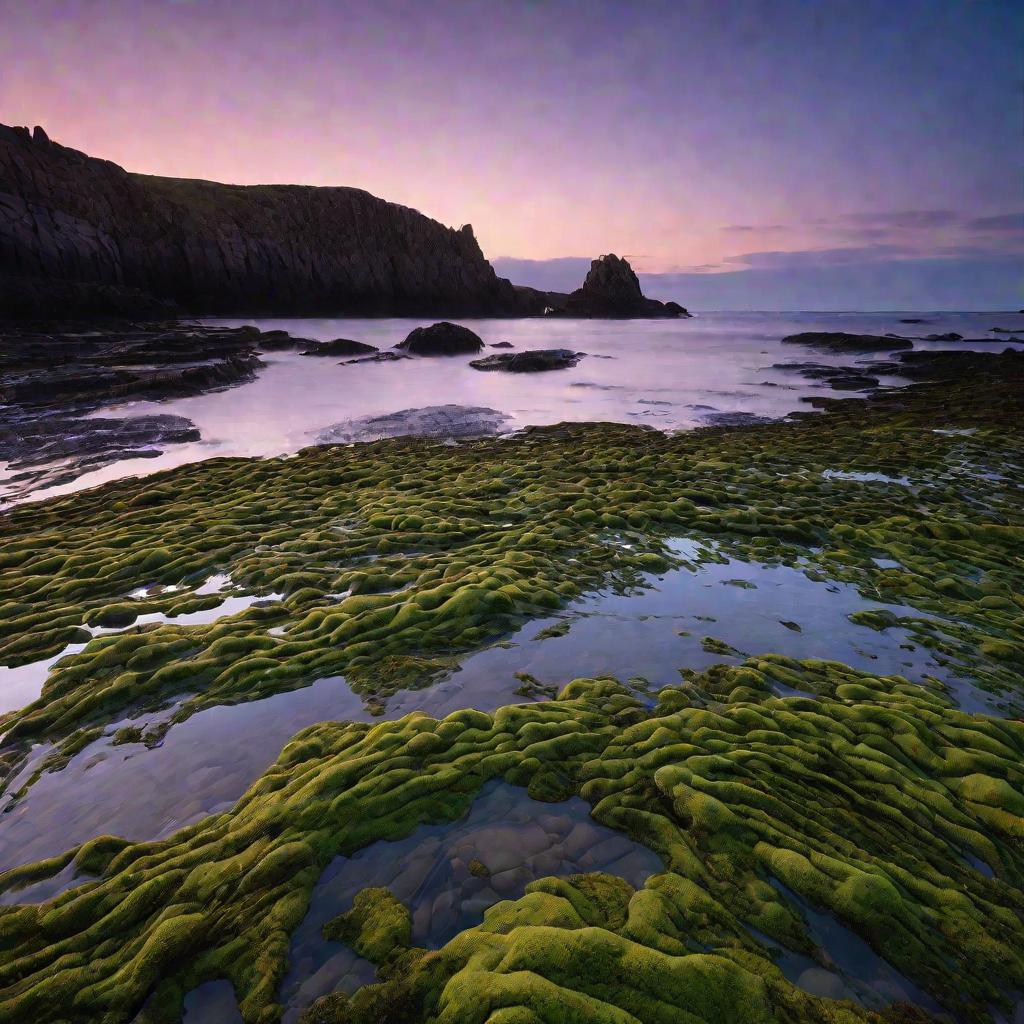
{"type": "Point", "coordinates": [839, 341]}
{"type": "Point", "coordinates": [79, 235]}
{"type": "Point", "coordinates": [53, 378]}
{"type": "Point", "coordinates": [611, 290]}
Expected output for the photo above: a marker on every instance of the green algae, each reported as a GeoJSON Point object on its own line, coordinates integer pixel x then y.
{"type": "Point", "coordinates": [377, 927]}
{"type": "Point", "coordinates": [870, 798]}
{"type": "Point", "coordinates": [862, 801]}
{"type": "Point", "coordinates": [395, 556]}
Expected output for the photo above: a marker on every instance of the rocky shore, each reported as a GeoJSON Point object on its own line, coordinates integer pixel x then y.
{"type": "Point", "coordinates": [837, 843]}
{"type": "Point", "coordinates": [55, 377]}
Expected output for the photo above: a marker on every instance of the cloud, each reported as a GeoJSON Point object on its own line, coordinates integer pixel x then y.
{"type": "Point", "coordinates": [817, 257]}
{"type": "Point", "coordinates": [1012, 223]}
{"type": "Point", "coordinates": [904, 218]}
{"type": "Point", "coordinates": [876, 281]}
{"type": "Point", "coordinates": [759, 228]}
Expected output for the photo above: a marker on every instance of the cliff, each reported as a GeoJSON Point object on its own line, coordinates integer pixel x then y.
{"type": "Point", "coordinates": [84, 235]}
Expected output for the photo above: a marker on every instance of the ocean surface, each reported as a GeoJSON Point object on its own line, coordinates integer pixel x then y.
{"type": "Point", "coordinates": [670, 375]}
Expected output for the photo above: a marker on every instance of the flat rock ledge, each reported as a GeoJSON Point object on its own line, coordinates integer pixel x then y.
{"type": "Point", "coordinates": [441, 421]}
{"type": "Point", "coordinates": [532, 361]}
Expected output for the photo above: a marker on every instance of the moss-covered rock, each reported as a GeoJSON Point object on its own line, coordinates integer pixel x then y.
{"type": "Point", "coordinates": [861, 802]}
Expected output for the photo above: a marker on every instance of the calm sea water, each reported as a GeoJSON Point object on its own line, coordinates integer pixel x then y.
{"type": "Point", "coordinates": [671, 375]}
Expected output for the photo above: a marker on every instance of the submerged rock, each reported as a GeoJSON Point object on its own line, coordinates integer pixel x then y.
{"type": "Point", "coordinates": [338, 347]}
{"type": "Point", "coordinates": [532, 361]}
{"type": "Point", "coordinates": [733, 419]}
{"type": "Point", "coordinates": [377, 357]}
{"type": "Point", "coordinates": [441, 339]}
{"type": "Point", "coordinates": [839, 378]}
{"type": "Point", "coordinates": [431, 421]}
{"type": "Point", "coordinates": [839, 341]}
{"type": "Point", "coordinates": [950, 336]}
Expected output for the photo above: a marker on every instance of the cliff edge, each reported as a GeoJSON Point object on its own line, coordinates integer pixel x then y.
{"type": "Point", "coordinates": [82, 231]}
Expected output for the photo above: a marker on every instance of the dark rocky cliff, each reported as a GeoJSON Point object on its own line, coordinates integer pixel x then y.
{"type": "Point", "coordinates": [611, 290]}
{"type": "Point", "coordinates": [76, 230]}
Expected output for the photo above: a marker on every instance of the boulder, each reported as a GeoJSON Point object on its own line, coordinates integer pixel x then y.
{"type": "Point", "coordinates": [531, 361]}
{"type": "Point", "coordinates": [951, 336]}
{"type": "Point", "coordinates": [441, 339]}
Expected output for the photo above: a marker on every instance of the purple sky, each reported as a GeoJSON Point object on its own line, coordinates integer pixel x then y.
{"type": "Point", "coordinates": [744, 140]}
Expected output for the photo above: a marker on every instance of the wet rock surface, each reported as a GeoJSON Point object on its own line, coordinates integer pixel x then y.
{"type": "Point", "coordinates": [531, 361]}
{"type": "Point", "coordinates": [950, 366]}
{"type": "Point", "coordinates": [338, 347]}
{"type": "Point", "coordinates": [378, 357]}
{"type": "Point", "coordinates": [839, 341]}
{"type": "Point", "coordinates": [839, 378]}
{"type": "Point", "coordinates": [54, 376]}
{"type": "Point", "coordinates": [441, 421]}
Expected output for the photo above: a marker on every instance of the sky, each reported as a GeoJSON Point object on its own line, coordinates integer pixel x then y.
{"type": "Point", "coordinates": [764, 154]}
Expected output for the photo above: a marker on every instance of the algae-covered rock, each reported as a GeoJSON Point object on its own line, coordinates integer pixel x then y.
{"type": "Point", "coordinates": [861, 803]}
{"type": "Point", "coordinates": [376, 927]}
{"type": "Point", "coordinates": [870, 799]}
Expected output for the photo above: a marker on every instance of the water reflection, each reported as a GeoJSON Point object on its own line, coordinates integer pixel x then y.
{"type": "Point", "coordinates": [448, 875]}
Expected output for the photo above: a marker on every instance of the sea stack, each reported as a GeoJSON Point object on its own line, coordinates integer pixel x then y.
{"type": "Point", "coordinates": [612, 290]}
